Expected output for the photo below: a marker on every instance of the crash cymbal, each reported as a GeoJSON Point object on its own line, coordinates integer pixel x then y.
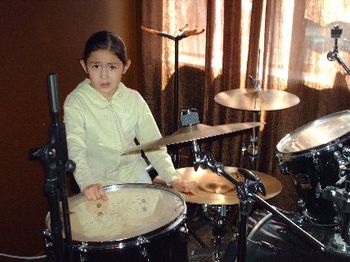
{"type": "Point", "coordinates": [252, 100]}
{"type": "Point", "coordinates": [213, 189]}
{"type": "Point", "coordinates": [190, 133]}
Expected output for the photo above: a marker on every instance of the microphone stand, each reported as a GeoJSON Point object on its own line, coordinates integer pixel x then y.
{"type": "Point", "coordinates": [332, 55]}
{"type": "Point", "coordinates": [54, 158]}
{"type": "Point", "coordinates": [176, 38]}
{"type": "Point", "coordinates": [247, 193]}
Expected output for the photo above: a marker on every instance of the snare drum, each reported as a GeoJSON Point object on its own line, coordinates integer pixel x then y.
{"type": "Point", "coordinates": [139, 222]}
{"type": "Point", "coordinates": [314, 155]}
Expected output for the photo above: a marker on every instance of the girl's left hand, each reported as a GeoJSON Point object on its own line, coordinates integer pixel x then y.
{"type": "Point", "coordinates": [184, 186]}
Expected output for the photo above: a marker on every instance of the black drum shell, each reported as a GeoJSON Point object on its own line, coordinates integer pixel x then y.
{"type": "Point", "coordinates": [313, 169]}
{"type": "Point", "coordinates": [308, 171]}
{"type": "Point", "coordinates": [273, 240]}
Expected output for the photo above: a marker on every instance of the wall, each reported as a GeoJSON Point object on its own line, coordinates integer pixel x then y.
{"type": "Point", "coordinates": [39, 37]}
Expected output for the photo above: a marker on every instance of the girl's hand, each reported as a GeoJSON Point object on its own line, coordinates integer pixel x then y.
{"type": "Point", "coordinates": [95, 192]}
{"type": "Point", "coordinates": [184, 186]}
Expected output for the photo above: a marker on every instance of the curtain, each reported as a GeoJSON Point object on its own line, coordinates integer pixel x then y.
{"type": "Point", "coordinates": [282, 43]}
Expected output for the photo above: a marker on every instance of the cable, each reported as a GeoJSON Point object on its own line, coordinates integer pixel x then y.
{"type": "Point", "coordinates": [21, 257]}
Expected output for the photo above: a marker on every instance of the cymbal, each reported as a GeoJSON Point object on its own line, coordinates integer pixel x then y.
{"type": "Point", "coordinates": [190, 133]}
{"type": "Point", "coordinates": [252, 100]}
{"type": "Point", "coordinates": [213, 189]}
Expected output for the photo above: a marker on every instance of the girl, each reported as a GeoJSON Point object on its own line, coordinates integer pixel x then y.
{"type": "Point", "coordinates": [103, 117]}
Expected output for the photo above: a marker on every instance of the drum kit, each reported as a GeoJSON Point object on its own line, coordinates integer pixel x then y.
{"type": "Point", "coordinates": [143, 222]}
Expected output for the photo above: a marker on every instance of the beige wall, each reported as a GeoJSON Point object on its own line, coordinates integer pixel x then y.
{"type": "Point", "coordinates": [39, 37]}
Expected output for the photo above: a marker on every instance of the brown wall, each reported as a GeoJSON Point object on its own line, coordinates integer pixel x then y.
{"type": "Point", "coordinates": [39, 37]}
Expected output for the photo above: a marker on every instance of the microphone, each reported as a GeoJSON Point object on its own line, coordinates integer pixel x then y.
{"type": "Point", "coordinates": [53, 91]}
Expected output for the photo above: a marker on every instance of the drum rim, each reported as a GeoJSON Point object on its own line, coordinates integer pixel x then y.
{"type": "Point", "coordinates": [312, 150]}
{"type": "Point", "coordinates": [125, 242]}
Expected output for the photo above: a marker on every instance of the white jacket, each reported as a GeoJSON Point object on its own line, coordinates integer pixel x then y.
{"type": "Point", "coordinates": [98, 131]}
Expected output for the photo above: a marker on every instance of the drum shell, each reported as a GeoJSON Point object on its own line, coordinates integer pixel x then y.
{"type": "Point", "coordinates": [166, 243]}
{"type": "Point", "coordinates": [271, 239]}
{"type": "Point", "coordinates": [311, 170]}
{"type": "Point", "coordinates": [314, 155]}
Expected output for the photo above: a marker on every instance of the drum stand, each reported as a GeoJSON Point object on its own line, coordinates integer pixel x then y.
{"type": "Point", "coordinates": [54, 159]}
{"type": "Point", "coordinates": [247, 192]}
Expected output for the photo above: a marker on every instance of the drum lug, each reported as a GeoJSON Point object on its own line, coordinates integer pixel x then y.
{"type": "Point", "coordinates": [140, 242]}
{"type": "Point", "coordinates": [83, 247]}
{"type": "Point", "coordinates": [316, 161]}
{"type": "Point", "coordinates": [48, 238]}
{"type": "Point", "coordinates": [283, 166]}
{"type": "Point", "coordinates": [343, 160]}
{"type": "Point", "coordinates": [183, 229]}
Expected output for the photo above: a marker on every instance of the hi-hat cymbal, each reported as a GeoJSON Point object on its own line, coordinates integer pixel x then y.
{"type": "Point", "coordinates": [253, 100]}
{"type": "Point", "coordinates": [213, 189]}
{"type": "Point", "coordinates": [191, 133]}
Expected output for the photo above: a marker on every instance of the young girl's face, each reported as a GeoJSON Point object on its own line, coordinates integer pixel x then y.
{"type": "Point", "coordinates": [105, 71]}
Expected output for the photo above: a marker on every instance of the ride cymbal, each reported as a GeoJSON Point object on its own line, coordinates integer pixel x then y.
{"type": "Point", "coordinates": [213, 189]}
{"type": "Point", "coordinates": [191, 133]}
{"type": "Point", "coordinates": [256, 100]}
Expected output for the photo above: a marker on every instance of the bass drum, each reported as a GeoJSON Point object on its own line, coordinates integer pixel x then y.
{"type": "Point", "coordinates": [139, 222]}
{"type": "Point", "coordinates": [271, 239]}
{"type": "Point", "coordinates": [313, 155]}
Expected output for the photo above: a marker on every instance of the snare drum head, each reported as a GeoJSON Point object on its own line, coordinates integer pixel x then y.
{"type": "Point", "coordinates": [131, 210]}
{"type": "Point", "coordinates": [316, 133]}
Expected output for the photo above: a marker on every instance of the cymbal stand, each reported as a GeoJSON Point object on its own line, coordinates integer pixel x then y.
{"type": "Point", "coordinates": [218, 220]}
{"type": "Point", "coordinates": [247, 192]}
{"type": "Point", "coordinates": [176, 38]}
{"type": "Point", "coordinates": [252, 149]}
{"type": "Point", "coordinates": [54, 158]}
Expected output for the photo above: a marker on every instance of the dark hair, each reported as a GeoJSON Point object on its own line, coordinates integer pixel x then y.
{"type": "Point", "coordinates": [106, 41]}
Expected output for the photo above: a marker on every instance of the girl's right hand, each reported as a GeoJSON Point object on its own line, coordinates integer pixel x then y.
{"type": "Point", "coordinates": [95, 192]}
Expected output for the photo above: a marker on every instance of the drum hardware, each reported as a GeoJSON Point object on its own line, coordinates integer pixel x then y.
{"type": "Point", "coordinates": [270, 239]}
{"type": "Point", "coordinates": [190, 133]}
{"type": "Point", "coordinates": [216, 196]}
{"type": "Point", "coordinates": [139, 222]}
{"type": "Point", "coordinates": [176, 38]}
{"type": "Point", "coordinates": [255, 100]}
{"type": "Point", "coordinates": [250, 99]}
{"type": "Point", "coordinates": [217, 217]}
{"type": "Point", "coordinates": [54, 158]}
{"type": "Point", "coordinates": [332, 55]}
{"type": "Point", "coordinates": [315, 156]}
{"type": "Point", "coordinates": [247, 192]}
{"type": "Point", "coordinates": [214, 190]}
{"type": "Point", "coordinates": [341, 198]}
{"type": "Point", "coordinates": [252, 149]}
